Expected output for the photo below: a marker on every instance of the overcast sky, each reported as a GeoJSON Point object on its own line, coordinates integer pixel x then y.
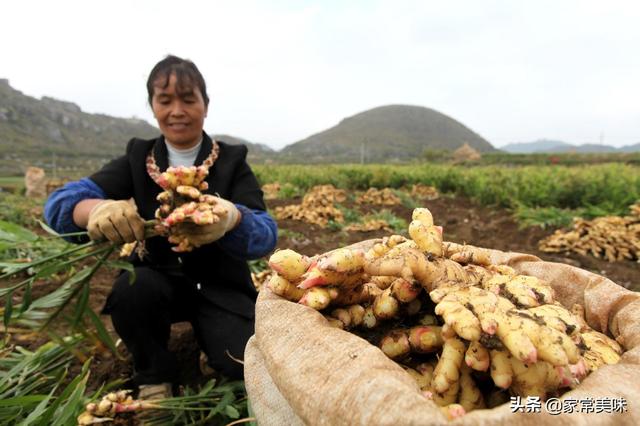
{"type": "Point", "coordinates": [279, 71]}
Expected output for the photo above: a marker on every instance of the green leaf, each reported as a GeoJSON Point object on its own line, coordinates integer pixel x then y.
{"type": "Point", "coordinates": [26, 373]}
{"type": "Point", "coordinates": [38, 411]}
{"type": "Point", "coordinates": [8, 309]}
{"type": "Point", "coordinates": [57, 299]}
{"type": "Point", "coordinates": [26, 298]}
{"type": "Point", "coordinates": [72, 290]}
{"type": "Point", "coordinates": [231, 411]}
{"type": "Point", "coordinates": [46, 418]}
{"type": "Point", "coordinates": [14, 268]}
{"type": "Point", "coordinates": [50, 270]}
{"type": "Point", "coordinates": [47, 229]}
{"type": "Point", "coordinates": [121, 264]}
{"type": "Point", "coordinates": [73, 404]}
{"type": "Point", "coordinates": [15, 233]}
{"type": "Point", "coordinates": [207, 387]}
{"type": "Point", "coordinates": [9, 268]}
{"type": "Point", "coordinates": [226, 399]}
{"type": "Point", "coordinates": [21, 400]}
{"type": "Point", "coordinates": [62, 293]}
{"type": "Point", "coordinates": [103, 334]}
{"type": "Point", "coordinates": [5, 291]}
{"type": "Point", "coordinates": [81, 305]}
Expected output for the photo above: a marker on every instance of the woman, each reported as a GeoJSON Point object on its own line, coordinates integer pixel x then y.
{"type": "Point", "coordinates": [211, 286]}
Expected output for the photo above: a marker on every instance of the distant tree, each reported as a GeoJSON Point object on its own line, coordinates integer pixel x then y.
{"type": "Point", "coordinates": [466, 154]}
{"type": "Point", "coordinates": [436, 155]}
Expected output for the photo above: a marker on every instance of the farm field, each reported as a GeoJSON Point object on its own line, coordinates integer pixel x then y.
{"type": "Point", "coordinates": [464, 221]}
{"type": "Point", "coordinates": [483, 206]}
{"type": "Point", "coordinates": [563, 191]}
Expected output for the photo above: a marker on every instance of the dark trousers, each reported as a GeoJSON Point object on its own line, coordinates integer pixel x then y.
{"type": "Point", "coordinates": [142, 314]}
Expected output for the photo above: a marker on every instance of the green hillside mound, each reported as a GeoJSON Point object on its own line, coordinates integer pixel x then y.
{"type": "Point", "coordinates": [393, 133]}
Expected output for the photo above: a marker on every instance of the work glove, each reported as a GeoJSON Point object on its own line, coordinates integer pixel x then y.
{"type": "Point", "coordinates": [115, 220]}
{"type": "Point", "coordinates": [199, 235]}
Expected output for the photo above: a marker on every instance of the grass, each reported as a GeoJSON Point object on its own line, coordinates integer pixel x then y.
{"type": "Point", "coordinates": [20, 210]}
{"type": "Point", "coordinates": [396, 223]}
{"type": "Point", "coordinates": [556, 217]}
{"type": "Point", "coordinates": [292, 235]}
{"type": "Point", "coordinates": [350, 215]}
{"type": "Point", "coordinates": [12, 182]}
{"type": "Point", "coordinates": [288, 190]}
{"type": "Point", "coordinates": [544, 216]}
{"type": "Point", "coordinates": [406, 199]}
{"type": "Point", "coordinates": [258, 265]}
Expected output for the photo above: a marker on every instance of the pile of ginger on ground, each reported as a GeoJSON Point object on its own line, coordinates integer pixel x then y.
{"type": "Point", "coordinates": [612, 238]}
{"type": "Point", "coordinates": [317, 207]}
{"type": "Point", "coordinates": [379, 197]}
{"type": "Point", "coordinates": [471, 333]}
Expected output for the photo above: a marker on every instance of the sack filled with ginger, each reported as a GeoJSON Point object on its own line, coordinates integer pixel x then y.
{"type": "Point", "coordinates": [416, 331]}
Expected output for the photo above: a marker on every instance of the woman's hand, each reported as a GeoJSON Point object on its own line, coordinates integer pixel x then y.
{"type": "Point", "coordinates": [115, 220]}
{"type": "Point", "coordinates": [198, 235]}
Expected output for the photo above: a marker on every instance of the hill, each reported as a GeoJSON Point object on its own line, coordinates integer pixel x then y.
{"type": "Point", "coordinates": [587, 148]}
{"type": "Point", "coordinates": [630, 148]}
{"type": "Point", "coordinates": [385, 134]}
{"type": "Point", "coordinates": [52, 133]}
{"type": "Point", "coordinates": [258, 152]}
{"type": "Point", "coordinates": [541, 145]}
{"type": "Point", "coordinates": [544, 146]}
{"type": "Point", "coordinates": [41, 131]}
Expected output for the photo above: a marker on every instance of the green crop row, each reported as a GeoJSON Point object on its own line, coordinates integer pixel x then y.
{"type": "Point", "coordinates": [604, 188]}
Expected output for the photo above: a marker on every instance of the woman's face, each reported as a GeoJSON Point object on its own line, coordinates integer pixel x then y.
{"type": "Point", "coordinates": [180, 114]}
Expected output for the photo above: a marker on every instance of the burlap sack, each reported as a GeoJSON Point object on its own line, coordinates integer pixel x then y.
{"type": "Point", "coordinates": [34, 182]}
{"type": "Point", "coordinates": [299, 369]}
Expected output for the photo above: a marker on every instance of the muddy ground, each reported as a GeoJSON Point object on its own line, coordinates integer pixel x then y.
{"type": "Point", "coordinates": [464, 221]}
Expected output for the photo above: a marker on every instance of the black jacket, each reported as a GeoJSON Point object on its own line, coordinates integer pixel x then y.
{"type": "Point", "coordinates": [225, 280]}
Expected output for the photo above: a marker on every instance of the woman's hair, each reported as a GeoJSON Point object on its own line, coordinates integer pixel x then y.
{"type": "Point", "coordinates": [187, 76]}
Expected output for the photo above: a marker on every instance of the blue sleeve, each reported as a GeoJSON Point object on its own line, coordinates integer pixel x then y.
{"type": "Point", "coordinates": [58, 210]}
{"type": "Point", "coordinates": [255, 236]}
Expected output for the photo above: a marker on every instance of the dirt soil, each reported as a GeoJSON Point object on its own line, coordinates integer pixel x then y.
{"type": "Point", "coordinates": [464, 221]}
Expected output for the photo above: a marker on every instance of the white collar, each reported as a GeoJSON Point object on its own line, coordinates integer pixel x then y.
{"type": "Point", "coordinates": [183, 151]}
